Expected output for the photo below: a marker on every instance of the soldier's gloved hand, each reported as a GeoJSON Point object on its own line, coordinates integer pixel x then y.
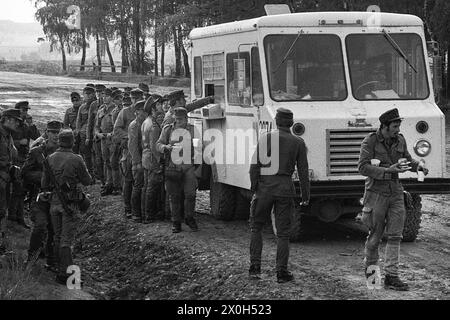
{"type": "Point", "coordinates": [396, 168]}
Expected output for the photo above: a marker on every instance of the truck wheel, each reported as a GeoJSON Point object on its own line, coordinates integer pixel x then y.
{"type": "Point", "coordinates": [413, 208]}
{"type": "Point", "coordinates": [222, 200]}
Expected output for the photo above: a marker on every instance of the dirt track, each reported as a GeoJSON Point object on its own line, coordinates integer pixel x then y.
{"type": "Point", "coordinates": [125, 260]}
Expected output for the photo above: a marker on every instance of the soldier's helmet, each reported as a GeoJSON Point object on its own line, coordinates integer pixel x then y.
{"type": "Point", "coordinates": [66, 139]}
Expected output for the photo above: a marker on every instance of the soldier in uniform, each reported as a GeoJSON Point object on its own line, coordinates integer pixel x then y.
{"type": "Point", "coordinates": [180, 177]}
{"type": "Point", "coordinates": [384, 209]}
{"type": "Point", "coordinates": [135, 149]}
{"type": "Point", "coordinates": [103, 130]}
{"type": "Point", "coordinates": [118, 100]}
{"type": "Point", "coordinates": [274, 188]}
{"type": "Point", "coordinates": [82, 126]}
{"type": "Point", "coordinates": [98, 160]}
{"type": "Point", "coordinates": [145, 88]}
{"type": "Point", "coordinates": [70, 117]}
{"type": "Point", "coordinates": [9, 122]}
{"type": "Point", "coordinates": [22, 136]}
{"type": "Point", "coordinates": [69, 171]}
{"type": "Point", "coordinates": [120, 133]}
{"type": "Point", "coordinates": [151, 161]}
{"type": "Point", "coordinates": [42, 233]}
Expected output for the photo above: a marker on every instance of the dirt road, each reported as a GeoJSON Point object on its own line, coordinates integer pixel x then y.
{"type": "Point", "coordinates": [123, 260]}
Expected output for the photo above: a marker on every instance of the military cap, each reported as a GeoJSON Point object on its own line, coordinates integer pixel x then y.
{"type": "Point", "coordinates": [157, 97]}
{"type": "Point", "coordinates": [22, 104]}
{"type": "Point", "coordinates": [283, 113]}
{"type": "Point", "coordinates": [89, 89]}
{"type": "Point", "coordinates": [150, 103]}
{"type": "Point", "coordinates": [127, 101]}
{"type": "Point", "coordinates": [175, 95]}
{"type": "Point", "coordinates": [74, 95]}
{"type": "Point", "coordinates": [136, 93]}
{"type": "Point", "coordinates": [108, 92]}
{"type": "Point", "coordinates": [12, 113]}
{"type": "Point", "coordinates": [180, 112]}
{"type": "Point", "coordinates": [139, 105]}
{"type": "Point", "coordinates": [90, 85]}
{"type": "Point", "coordinates": [66, 138]}
{"type": "Point", "coordinates": [145, 88]}
{"type": "Point", "coordinates": [117, 93]}
{"type": "Point", "coordinates": [114, 88]}
{"type": "Point", "coordinates": [54, 126]}
{"type": "Point", "coordinates": [127, 89]}
{"type": "Point", "coordinates": [100, 87]}
{"type": "Point", "coordinates": [390, 116]}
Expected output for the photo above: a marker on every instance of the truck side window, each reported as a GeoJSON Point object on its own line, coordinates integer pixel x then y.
{"type": "Point", "coordinates": [257, 86]}
{"type": "Point", "coordinates": [198, 78]}
{"type": "Point", "coordinates": [239, 90]}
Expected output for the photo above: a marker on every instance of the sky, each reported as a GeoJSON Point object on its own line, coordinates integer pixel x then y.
{"type": "Point", "coordinates": [17, 10]}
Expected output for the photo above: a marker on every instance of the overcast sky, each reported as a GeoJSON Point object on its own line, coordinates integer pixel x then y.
{"type": "Point", "coordinates": [17, 10]}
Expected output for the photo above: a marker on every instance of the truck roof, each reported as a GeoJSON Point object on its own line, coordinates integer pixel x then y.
{"type": "Point", "coordinates": [308, 19]}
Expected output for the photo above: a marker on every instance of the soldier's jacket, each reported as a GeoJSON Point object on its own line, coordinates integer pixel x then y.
{"type": "Point", "coordinates": [278, 180]}
{"type": "Point", "coordinates": [24, 131]}
{"type": "Point", "coordinates": [82, 118]}
{"type": "Point", "coordinates": [68, 168]}
{"type": "Point", "coordinates": [93, 110]}
{"type": "Point", "coordinates": [104, 119]}
{"type": "Point", "coordinates": [135, 142]}
{"type": "Point", "coordinates": [375, 146]}
{"type": "Point", "coordinates": [33, 166]}
{"type": "Point", "coordinates": [168, 138]}
{"type": "Point", "coordinates": [200, 103]}
{"type": "Point", "coordinates": [151, 130]}
{"type": "Point", "coordinates": [70, 118]}
{"type": "Point", "coordinates": [115, 114]}
{"type": "Point", "coordinates": [124, 118]}
{"type": "Point", "coordinates": [8, 153]}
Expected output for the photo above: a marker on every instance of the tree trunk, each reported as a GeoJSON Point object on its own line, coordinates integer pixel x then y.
{"type": "Point", "coordinates": [143, 53]}
{"type": "Point", "coordinates": [187, 71]}
{"type": "Point", "coordinates": [447, 78]}
{"type": "Point", "coordinates": [84, 45]}
{"type": "Point", "coordinates": [137, 34]}
{"type": "Point", "coordinates": [99, 58]}
{"type": "Point", "coordinates": [177, 52]}
{"type": "Point", "coordinates": [124, 46]}
{"type": "Point", "coordinates": [156, 55]}
{"type": "Point", "coordinates": [63, 52]}
{"type": "Point", "coordinates": [163, 53]}
{"type": "Point", "coordinates": [111, 59]}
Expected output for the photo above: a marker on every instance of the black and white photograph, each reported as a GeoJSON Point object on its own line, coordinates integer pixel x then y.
{"type": "Point", "coordinates": [221, 156]}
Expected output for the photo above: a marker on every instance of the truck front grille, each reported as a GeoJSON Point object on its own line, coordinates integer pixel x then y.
{"type": "Point", "coordinates": [343, 150]}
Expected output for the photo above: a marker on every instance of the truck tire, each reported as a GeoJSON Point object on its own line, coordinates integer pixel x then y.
{"type": "Point", "coordinates": [222, 200]}
{"type": "Point", "coordinates": [413, 208]}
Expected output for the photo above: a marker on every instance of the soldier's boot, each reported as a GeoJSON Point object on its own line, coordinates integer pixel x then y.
{"type": "Point", "coordinates": [65, 260]}
{"type": "Point", "coordinates": [175, 208]}
{"type": "Point", "coordinates": [284, 276]}
{"type": "Point", "coordinates": [394, 283]}
{"type": "Point", "coordinates": [35, 248]}
{"type": "Point", "coordinates": [254, 272]}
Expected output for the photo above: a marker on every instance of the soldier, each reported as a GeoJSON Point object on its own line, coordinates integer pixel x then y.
{"type": "Point", "coordinates": [179, 177]}
{"type": "Point", "coordinates": [145, 88]}
{"type": "Point", "coordinates": [118, 100]}
{"type": "Point", "coordinates": [40, 210]}
{"type": "Point", "coordinates": [9, 122]}
{"type": "Point", "coordinates": [103, 130]}
{"type": "Point", "coordinates": [135, 149]}
{"type": "Point", "coordinates": [274, 188]}
{"type": "Point", "coordinates": [22, 136]}
{"type": "Point", "coordinates": [96, 142]}
{"type": "Point", "coordinates": [70, 118]}
{"type": "Point", "coordinates": [384, 208]}
{"type": "Point", "coordinates": [82, 125]}
{"type": "Point", "coordinates": [178, 99]}
{"type": "Point", "coordinates": [69, 170]}
{"type": "Point", "coordinates": [151, 161]}
{"type": "Point", "coordinates": [120, 133]}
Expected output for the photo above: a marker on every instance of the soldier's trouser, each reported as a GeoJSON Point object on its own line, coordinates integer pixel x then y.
{"type": "Point", "coordinates": [42, 233]}
{"type": "Point", "coordinates": [106, 146]}
{"type": "Point", "coordinates": [127, 174]}
{"type": "Point", "coordinates": [152, 200]}
{"type": "Point", "coordinates": [175, 189]}
{"type": "Point", "coordinates": [65, 228]}
{"type": "Point", "coordinates": [384, 214]}
{"type": "Point", "coordinates": [261, 209]}
{"type": "Point", "coordinates": [136, 194]}
{"type": "Point", "coordinates": [115, 165]}
{"type": "Point", "coordinates": [76, 145]}
{"type": "Point", "coordinates": [99, 160]}
{"type": "Point", "coordinates": [15, 211]}
{"type": "Point", "coordinates": [86, 153]}
{"type": "Point", "coordinates": [3, 209]}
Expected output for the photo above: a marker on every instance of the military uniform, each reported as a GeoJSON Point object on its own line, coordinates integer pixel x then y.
{"type": "Point", "coordinates": [170, 118]}
{"type": "Point", "coordinates": [7, 154]}
{"type": "Point", "coordinates": [69, 169]}
{"type": "Point", "coordinates": [115, 160]}
{"type": "Point", "coordinates": [82, 129]}
{"type": "Point", "coordinates": [187, 181]}
{"type": "Point", "coordinates": [70, 119]}
{"type": "Point", "coordinates": [42, 233]}
{"type": "Point", "coordinates": [274, 188]}
{"type": "Point", "coordinates": [384, 209]}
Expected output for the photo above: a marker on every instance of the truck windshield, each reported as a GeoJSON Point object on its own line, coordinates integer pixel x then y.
{"type": "Point", "coordinates": [379, 72]}
{"type": "Point", "coordinates": [305, 67]}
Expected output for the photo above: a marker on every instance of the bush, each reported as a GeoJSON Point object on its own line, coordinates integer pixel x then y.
{"type": "Point", "coordinates": [48, 68]}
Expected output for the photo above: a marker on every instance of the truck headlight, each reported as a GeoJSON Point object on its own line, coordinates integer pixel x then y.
{"type": "Point", "coordinates": [422, 148]}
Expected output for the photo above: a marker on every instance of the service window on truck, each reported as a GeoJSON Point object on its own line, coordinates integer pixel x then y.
{"type": "Point", "coordinates": [379, 71]}
{"type": "Point", "coordinates": [305, 67]}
